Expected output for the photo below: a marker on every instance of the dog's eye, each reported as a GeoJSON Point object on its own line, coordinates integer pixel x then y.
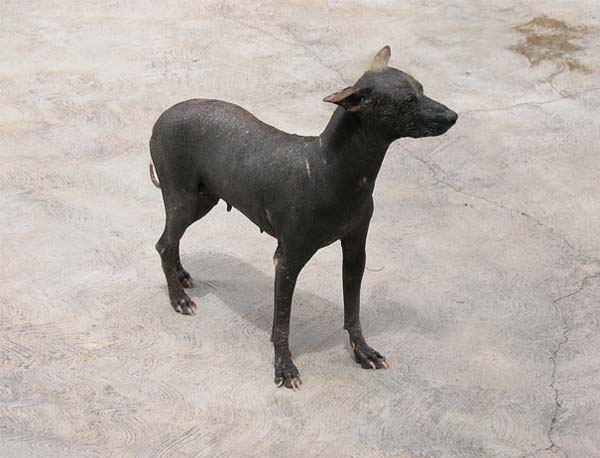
{"type": "Point", "coordinates": [410, 99]}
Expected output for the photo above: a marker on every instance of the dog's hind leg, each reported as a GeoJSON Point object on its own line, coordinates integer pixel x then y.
{"type": "Point", "coordinates": [182, 209]}
{"type": "Point", "coordinates": [205, 203]}
{"type": "Point", "coordinates": [184, 277]}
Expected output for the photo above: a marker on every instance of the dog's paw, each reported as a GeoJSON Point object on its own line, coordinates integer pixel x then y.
{"type": "Point", "coordinates": [369, 358]}
{"type": "Point", "coordinates": [286, 374]}
{"type": "Point", "coordinates": [185, 279]}
{"type": "Point", "coordinates": [184, 305]}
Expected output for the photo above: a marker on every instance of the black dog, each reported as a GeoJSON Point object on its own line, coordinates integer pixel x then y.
{"type": "Point", "coordinates": [307, 192]}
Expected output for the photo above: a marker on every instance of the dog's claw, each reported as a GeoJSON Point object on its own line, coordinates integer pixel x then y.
{"type": "Point", "coordinates": [185, 306]}
{"type": "Point", "coordinates": [295, 384]}
{"type": "Point", "coordinates": [369, 358]}
{"type": "Point", "coordinates": [286, 374]}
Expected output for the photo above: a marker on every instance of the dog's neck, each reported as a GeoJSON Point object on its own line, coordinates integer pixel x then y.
{"type": "Point", "coordinates": [352, 146]}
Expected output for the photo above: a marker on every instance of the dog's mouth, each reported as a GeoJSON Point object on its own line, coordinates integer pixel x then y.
{"type": "Point", "coordinates": [438, 129]}
{"type": "Point", "coordinates": [440, 124]}
{"type": "Point", "coordinates": [430, 124]}
{"type": "Point", "coordinates": [433, 129]}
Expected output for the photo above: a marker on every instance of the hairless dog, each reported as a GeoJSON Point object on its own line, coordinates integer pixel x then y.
{"type": "Point", "coordinates": [307, 192]}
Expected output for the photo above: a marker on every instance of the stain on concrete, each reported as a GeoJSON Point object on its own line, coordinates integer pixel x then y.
{"type": "Point", "coordinates": [552, 40]}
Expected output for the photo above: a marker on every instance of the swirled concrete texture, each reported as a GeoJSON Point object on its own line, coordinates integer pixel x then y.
{"type": "Point", "coordinates": [483, 282]}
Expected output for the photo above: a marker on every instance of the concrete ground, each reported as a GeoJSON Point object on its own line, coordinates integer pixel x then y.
{"type": "Point", "coordinates": [483, 274]}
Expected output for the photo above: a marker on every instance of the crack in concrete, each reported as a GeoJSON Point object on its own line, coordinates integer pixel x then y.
{"type": "Point", "coordinates": [436, 171]}
{"type": "Point", "coordinates": [541, 102]}
{"type": "Point", "coordinates": [297, 41]}
{"type": "Point", "coordinates": [557, 405]}
{"type": "Point", "coordinates": [553, 447]}
{"type": "Point", "coordinates": [314, 55]}
{"type": "Point", "coordinates": [259, 30]}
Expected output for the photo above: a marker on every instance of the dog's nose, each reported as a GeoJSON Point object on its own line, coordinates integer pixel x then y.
{"type": "Point", "coordinates": [451, 117]}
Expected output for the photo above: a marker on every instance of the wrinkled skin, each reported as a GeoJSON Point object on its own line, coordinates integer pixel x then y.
{"type": "Point", "coordinates": [307, 192]}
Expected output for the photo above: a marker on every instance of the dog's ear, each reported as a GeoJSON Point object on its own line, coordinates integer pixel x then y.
{"type": "Point", "coordinates": [381, 59]}
{"type": "Point", "coordinates": [350, 98]}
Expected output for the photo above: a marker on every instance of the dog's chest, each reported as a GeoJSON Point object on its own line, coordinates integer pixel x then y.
{"type": "Point", "coordinates": [332, 218]}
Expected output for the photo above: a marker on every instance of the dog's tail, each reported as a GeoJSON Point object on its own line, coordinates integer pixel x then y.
{"type": "Point", "coordinates": [153, 176]}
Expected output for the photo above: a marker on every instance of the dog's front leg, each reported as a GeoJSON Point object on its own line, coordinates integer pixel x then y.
{"type": "Point", "coordinates": [288, 264]}
{"type": "Point", "coordinates": [354, 259]}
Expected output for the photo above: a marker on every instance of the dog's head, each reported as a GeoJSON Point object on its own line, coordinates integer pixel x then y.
{"type": "Point", "coordinates": [393, 102]}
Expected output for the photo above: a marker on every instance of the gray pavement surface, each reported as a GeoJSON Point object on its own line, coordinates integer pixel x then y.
{"type": "Point", "coordinates": [483, 280]}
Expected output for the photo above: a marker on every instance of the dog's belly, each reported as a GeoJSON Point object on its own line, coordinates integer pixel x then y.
{"type": "Point", "coordinates": [284, 202]}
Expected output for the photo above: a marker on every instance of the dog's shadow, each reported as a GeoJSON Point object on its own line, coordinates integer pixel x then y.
{"type": "Point", "coordinates": [316, 323]}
